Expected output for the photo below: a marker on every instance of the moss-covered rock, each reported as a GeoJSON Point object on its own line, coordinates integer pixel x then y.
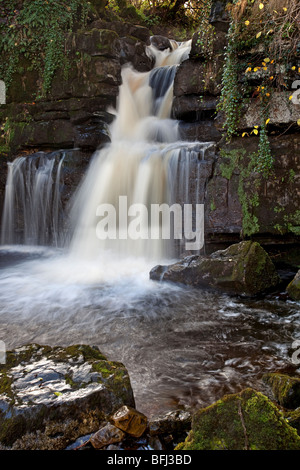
{"type": "Point", "coordinates": [293, 289]}
{"type": "Point", "coordinates": [285, 389]}
{"type": "Point", "coordinates": [293, 418]}
{"type": "Point", "coordinates": [244, 421]}
{"type": "Point", "coordinates": [51, 396]}
{"type": "Point", "coordinates": [243, 268]}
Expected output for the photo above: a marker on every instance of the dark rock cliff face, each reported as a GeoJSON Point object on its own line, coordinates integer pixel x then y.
{"type": "Point", "coordinates": [74, 113]}
{"type": "Point", "coordinates": [238, 202]}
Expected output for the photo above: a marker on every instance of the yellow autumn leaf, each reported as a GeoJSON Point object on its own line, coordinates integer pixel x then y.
{"type": "Point", "coordinates": [298, 122]}
{"type": "Point", "coordinates": [265, 68]}
{"type": "Point", "coordinates": [284, 9]}
{"type": "Point", "coordinates": [255, 70]}
{"type": "Point", "coordinates": [248, 69]}
{"type": "Point", "coordinates": [264, 64]}
{"type": "Point", "coordinates": [255, 127]}
{"type": "Point", "coordinates": [255, 131]}
{"type": "Point", "coordinates": [291, 97]}
{"type": "Point", "coordinates": [267, 60]}
{"type": "Point", "coordinates": [247, 23]}
{"type": "Point", "coordinates": [244, 133]}
{"type": "Point", "coordinates": [267, 121]}
{"type": "Point", "coordinates": [258, 35]}
{"type": "Point", "coordinates": [261, 6]}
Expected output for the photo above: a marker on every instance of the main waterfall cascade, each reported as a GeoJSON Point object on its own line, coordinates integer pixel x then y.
{"type": "Point", "coordinates": [142, 162]}
{"type": "Point", "coordinates": [146, 162]}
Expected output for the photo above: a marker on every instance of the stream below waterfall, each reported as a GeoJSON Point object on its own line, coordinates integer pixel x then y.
{"type": "Point", "coordinates": [183, 347]}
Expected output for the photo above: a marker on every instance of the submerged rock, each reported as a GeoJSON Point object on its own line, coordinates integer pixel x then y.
{"type": "Point", "coordinates": [293, 289]}
{"type": "Point", "coordinates": [51, 396]}
{"type": "Point", "coordinates": [243, 268]}
{"type": "Point", "coordinates": [175, 422]}
{"type": "Point", "coordinates": [285, 389]}
{"type": "Point", "coordinates": [107, 435]}
{"type": "Point", "coordinates": [244, 421]}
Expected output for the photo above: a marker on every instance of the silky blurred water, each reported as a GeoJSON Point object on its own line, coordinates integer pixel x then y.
{"type": "Point", "coordinates": [183, 347]}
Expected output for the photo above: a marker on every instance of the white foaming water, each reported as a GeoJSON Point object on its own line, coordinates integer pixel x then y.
{"type": "Point", "coordinates": [138, 164]}
{"type": "Point", "coordinates": [144, 140]}
{"type": "Point", "coordinates": [32, 207]}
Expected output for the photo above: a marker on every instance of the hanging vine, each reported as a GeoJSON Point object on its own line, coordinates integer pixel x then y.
{"type": "Point", "coordinates": [271, 28]}
{"type": "Point", "coordinates": [35, 30]}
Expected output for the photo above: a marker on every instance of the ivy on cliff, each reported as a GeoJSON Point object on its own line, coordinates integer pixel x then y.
{"type": "Point", "coordinates": [35, 31]}
{"type": "Point", "coordinates": [263, 40]}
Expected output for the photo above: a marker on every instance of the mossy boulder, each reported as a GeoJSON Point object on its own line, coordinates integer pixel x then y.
{"type": "Point", "coordinates": [293, 418]}
{"type": "Point", "coordinates": [285, 389]}
{"type": "Point", "coordinates": [244, 421]}
{"type": "Point", "coordinates": [244, 268]}
{"type": "Point", "coordinates": [51, 396]}
{"type": "Point", "coordinates": [293, 289]}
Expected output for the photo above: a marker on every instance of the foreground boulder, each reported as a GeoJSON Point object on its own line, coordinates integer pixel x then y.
{"type": "Point", "coordinates": [293, 289]}
{"type": "Point", "coordinates": [243, 268]}
{"type": "Point", "coordinates": [244, 421]}
{"type": "Point", "coordinates": [51, 396]}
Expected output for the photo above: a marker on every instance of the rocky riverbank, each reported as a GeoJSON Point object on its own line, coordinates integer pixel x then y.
{"type": "Point", "coordinates": [56, 398]}
{"type": "Point", "coordinates": [74, 399]}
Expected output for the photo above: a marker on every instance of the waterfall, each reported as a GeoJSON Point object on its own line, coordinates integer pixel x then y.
{"type": "Point", "coordinates": [32, 213]}
{"type": "Point", "coordinates": [139, 169]}
{"type": "Point", "coordinates": [146, 165]}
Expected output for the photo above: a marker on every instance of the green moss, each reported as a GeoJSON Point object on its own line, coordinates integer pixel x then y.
{"type": "Point", "coordinates": [236, 161]}
{"type": "Point", "coordinates": [244, 421]}
{"type": "Point", "coordinates": [293, 418]}
{"type": "Point", "coordinates": [213, 206]}
{"type": "Point", "coordinates": [21, 38]}
{"type": "Point", "coordinates": [88, 352]}
{"type": "Point", "coordinates": [5, 385]}
{"type": "Point", "coordinates": [286, 389]}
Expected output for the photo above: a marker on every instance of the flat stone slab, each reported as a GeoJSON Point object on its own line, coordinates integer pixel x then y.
{"type": "Point", "coordinates": [51, 396]}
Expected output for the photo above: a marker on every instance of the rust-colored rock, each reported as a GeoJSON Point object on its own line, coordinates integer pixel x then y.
{"type": "Point", "coordinates": [130, 420]}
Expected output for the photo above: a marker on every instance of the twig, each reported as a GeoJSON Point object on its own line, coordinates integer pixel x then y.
{"type": "Point", "coordinates": [244, 427]}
